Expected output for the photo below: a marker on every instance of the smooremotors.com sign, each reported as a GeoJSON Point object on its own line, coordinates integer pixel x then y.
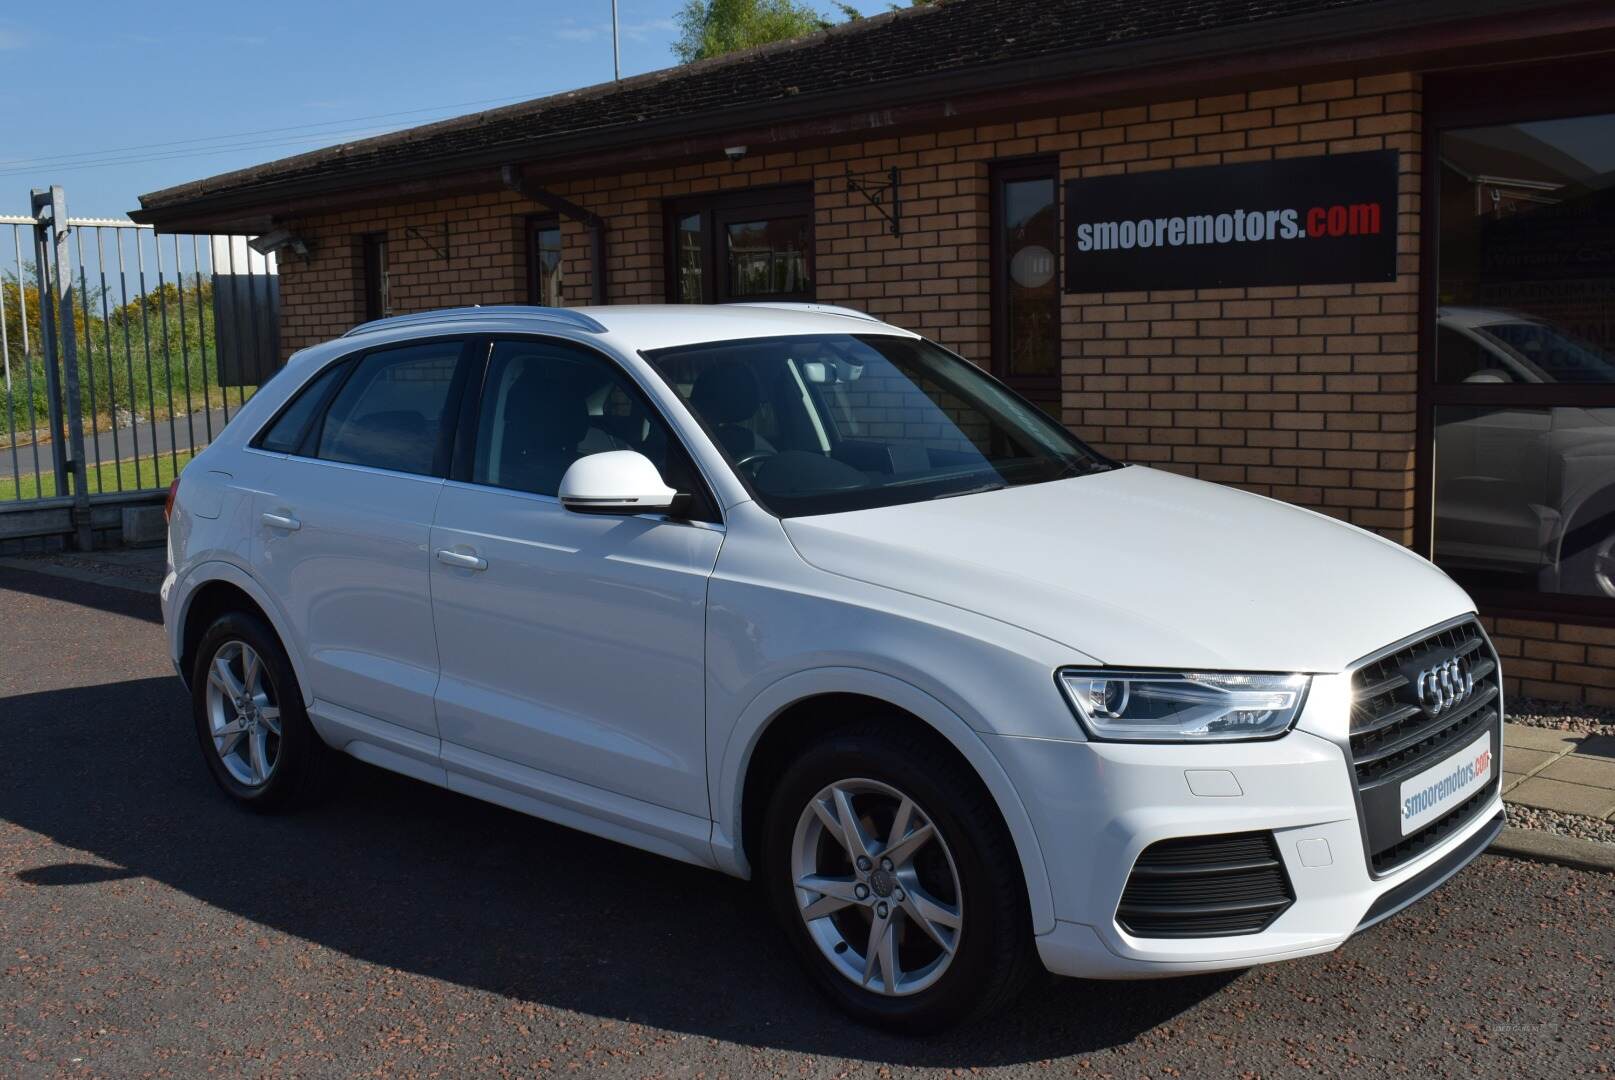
{"type": "Point", "coordinates": [1301, 221]}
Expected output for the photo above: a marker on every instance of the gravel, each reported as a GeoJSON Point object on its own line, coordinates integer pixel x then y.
{"type": "Point", "coordinates": [1559, 716]}
{"type": "Point", "coordinates": [1572, 825]}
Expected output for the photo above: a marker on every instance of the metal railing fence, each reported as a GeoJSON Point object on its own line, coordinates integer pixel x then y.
{"type": "Point", "coordinates": [123, 352]}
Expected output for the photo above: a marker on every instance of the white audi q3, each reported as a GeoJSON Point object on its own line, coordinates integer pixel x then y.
{"type": "Point", "coordinates": [800, 596]}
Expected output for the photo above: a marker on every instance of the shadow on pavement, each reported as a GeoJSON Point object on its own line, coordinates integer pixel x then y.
{"type": "Point", "coordinates": [403, 874]}
{"type": "Point", "coordinates": [129, 603]}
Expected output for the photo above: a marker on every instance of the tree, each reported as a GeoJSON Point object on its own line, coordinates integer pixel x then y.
{"type": "Point", "coordinates": [710, 28]}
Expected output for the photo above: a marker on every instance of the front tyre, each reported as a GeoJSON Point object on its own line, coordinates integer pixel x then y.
{"type": "Point", "coordinates": [250, 722]}
{"type": "Point", "coordinates": [897, 882]}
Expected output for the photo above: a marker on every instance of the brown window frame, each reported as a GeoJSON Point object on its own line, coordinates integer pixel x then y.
{"type": "Point", "coordinates": [1479, 99]}
{"type": "Point", "coordinates": [374, 283]}
{"type": "Point", "coordinates": [719, 210]}
{"type": "Point", "coordinates": [535, 224]}
{"type": "Point", "coordinates": [1043, 389]}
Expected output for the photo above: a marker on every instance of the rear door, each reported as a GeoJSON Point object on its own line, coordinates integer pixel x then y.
{"type": "Point", "coordinates": [342, 529]}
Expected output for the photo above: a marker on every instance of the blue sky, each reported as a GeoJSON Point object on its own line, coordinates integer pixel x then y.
{"type": "Point", "coordinates": [87, 90]}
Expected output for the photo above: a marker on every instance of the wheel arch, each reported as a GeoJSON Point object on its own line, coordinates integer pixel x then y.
{"type": "Point", "coordinates": [1588, 508]}
{"type": "Point", "coordinates": [220, 587]}
{"type": "Point", "coordinates": [792, 711]}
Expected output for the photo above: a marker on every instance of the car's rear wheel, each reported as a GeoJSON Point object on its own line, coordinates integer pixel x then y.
{"type": "Point", "coordinates": [897, 882]}
{"type": "Point", "coordinates": [250, 722]}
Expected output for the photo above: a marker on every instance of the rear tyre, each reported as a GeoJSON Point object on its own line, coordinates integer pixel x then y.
{"type": "Point", "coordinates": [250, 722]}
{"type": "Point", "coordinates": [898, 884]}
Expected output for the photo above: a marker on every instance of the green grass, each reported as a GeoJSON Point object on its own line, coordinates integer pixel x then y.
{"type": "Point", "coordinates": [105, 479]}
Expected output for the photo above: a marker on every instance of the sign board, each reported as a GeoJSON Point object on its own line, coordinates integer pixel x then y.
{"type": "Point", "coordinates": [1300, 221]}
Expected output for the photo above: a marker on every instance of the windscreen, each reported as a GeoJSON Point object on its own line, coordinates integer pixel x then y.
{"type": "Point", "coordinates": [819, 424]}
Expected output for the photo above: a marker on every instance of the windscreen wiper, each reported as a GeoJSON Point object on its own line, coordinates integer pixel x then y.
{"type": "Point", "coordinates": [995, 486]}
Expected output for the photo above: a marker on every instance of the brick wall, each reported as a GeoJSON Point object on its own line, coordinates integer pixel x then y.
{"type": "Point", "coordinates": [1555, 660]}
{"type": "Point", "coordinates": [1302, 393]}
{"type": "Point", "coordinates": [932, 278]}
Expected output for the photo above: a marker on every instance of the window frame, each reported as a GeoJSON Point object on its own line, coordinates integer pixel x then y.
{"type": "Point", "coordinates": [1036, 388]}
{"type": "Point", "coordinates": [308, 438]}
{"type": "Point", "coordinates": [373, 280]}
{"type": "Point", "coordinates": [1471, 99]}
{"type": "Point", "coordinates": [704, 509]}
{"type": "Point", "coordinates": [720, 209]}
{"type": "Point", "coordinates": [532, 226]}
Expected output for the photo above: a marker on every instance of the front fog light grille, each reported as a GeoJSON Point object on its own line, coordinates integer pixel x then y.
{"type": "Point", "coordinates": [1206, 886]}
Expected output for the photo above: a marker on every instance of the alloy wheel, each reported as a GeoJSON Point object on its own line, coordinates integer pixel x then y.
{"type": "Point", "coordinates": [1604, 566]}
{"type": "Point", "coordinates": [243, 715]}
{"type": "Point", "coordinates": [876, 887]}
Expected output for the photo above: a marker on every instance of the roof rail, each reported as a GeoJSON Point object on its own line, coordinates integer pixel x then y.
{"type": "Point", "coordinates": [567, 316]}
{"type": "Point", "coordinates": [807, 305]}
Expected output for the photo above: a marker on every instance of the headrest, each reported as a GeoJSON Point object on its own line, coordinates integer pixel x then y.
{"type": "Point", "coordinates": [726, 394]}
{"type": "Point", "coordinates": [548, 411]}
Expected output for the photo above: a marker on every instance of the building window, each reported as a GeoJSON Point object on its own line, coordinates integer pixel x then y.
{"type": "Point", "coordinates": [745, 245]}
{"type": "Point", "coordinates": [544, 261]}
{"type": "Point", "coordinates": [376, 302]}
{"type": "Point", "coordinates": [1025, 279]}
{"type": "Point", "coordinates": [1520, 397]}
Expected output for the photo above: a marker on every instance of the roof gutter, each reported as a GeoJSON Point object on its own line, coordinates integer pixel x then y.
{"type": "Point", "coordinates": [1379, 32]}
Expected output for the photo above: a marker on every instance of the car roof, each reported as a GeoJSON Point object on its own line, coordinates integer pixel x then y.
{"type": "Point", "coordinates": [1473, 316]}
{"type": "Point", "coordinates": [642, 326]}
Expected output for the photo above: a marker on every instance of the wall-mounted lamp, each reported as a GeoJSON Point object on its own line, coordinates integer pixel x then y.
{"type": "Point", "coordinates": [278, 240]}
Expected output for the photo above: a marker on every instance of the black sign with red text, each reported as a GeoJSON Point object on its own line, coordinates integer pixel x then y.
{"type": "Point", "coordinates": [1301, 221]}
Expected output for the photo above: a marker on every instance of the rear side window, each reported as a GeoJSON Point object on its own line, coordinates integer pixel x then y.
{"type": "Point", "coordinates": [286, 433]}
{"type": "Point", "coordinates": [391, 413]}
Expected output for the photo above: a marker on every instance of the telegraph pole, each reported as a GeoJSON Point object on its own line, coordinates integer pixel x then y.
{"type": "Point", "coordinates": [616, 53]}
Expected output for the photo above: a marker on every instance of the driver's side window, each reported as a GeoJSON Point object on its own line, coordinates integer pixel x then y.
{"type": "Point", "coordinates": [545, 404]}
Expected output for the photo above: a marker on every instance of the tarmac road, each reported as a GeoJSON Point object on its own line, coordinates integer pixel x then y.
{"type": "Point", "coordinates": [147, 927]}
{"type": "Point", "coordinates": [185, 432]}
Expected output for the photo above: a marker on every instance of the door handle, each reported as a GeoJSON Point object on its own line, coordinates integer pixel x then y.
{"type": "Point", "coordinates": [282, 521]}
{"type": "Point", "coordinates": [463, 559]}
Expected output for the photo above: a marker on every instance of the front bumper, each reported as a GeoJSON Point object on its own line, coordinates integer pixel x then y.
{"type": "Point", "coordinates": [1096, 806]}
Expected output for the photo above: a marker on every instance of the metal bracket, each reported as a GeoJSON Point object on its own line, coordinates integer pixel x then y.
{"type": "Point", "coordinates": [443, 252]}
{"type": "Point", "coordinates": [882, 194]}
{"type": "Point", "coordinates": [511, 176]}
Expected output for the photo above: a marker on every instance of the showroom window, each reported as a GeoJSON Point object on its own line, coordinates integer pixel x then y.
{"type": "Point", "coordinates": [544, 261]}
{"type": "Point", "coordinates": [1519, 403]}
{"type": "Point", "coordinates": [1025, 279]}
{"type": "Point", "coordinates": [745, 245]}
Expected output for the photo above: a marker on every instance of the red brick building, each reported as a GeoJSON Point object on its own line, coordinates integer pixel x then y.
{"type": "Point", "coordinates": [1442, 373]}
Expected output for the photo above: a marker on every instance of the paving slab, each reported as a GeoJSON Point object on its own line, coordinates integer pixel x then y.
{"type": "Point", "coordinates": [1602, 746]}
{"type": "Point", "coordinates": [1580, 768]}
{"type": "Point", "coordinates": [1566, 798]}
{"type": "Point", "coordinates": [1519, 759]}
{"type": "Point", "coordinates": [1535, 738]}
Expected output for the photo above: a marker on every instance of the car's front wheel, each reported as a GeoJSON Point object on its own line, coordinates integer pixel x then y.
{"type": "Point", "coordinates": [897, 882]}
{"type": "Point", "coordinates": [248, 709]}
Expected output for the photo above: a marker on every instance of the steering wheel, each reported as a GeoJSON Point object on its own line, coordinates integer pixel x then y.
{"type": "Point", "coordinates": [745, 461]}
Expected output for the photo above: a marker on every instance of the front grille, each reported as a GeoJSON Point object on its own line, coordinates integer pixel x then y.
{"type": "Point", "coordinates": [1396, 735]}
{"type": "Point", "coordinates": [1205, 886]}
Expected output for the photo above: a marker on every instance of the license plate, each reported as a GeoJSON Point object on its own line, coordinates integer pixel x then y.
{"type": "Point", "coordinates": [1439, 788]}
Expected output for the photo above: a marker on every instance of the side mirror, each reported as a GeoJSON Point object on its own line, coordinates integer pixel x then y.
{"type": "Point", "coordinates": [615, 482]}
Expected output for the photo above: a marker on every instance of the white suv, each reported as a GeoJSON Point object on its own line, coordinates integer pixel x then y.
{"type": "Point", "coordinates": [797, 595]}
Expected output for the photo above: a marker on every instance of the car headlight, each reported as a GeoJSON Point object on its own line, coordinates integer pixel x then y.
{"type": "Point", "coordinates": [1153, 706]}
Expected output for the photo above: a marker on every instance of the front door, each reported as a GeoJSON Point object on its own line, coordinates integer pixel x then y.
{"type": "Point", "coordinates": [572, 646]}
